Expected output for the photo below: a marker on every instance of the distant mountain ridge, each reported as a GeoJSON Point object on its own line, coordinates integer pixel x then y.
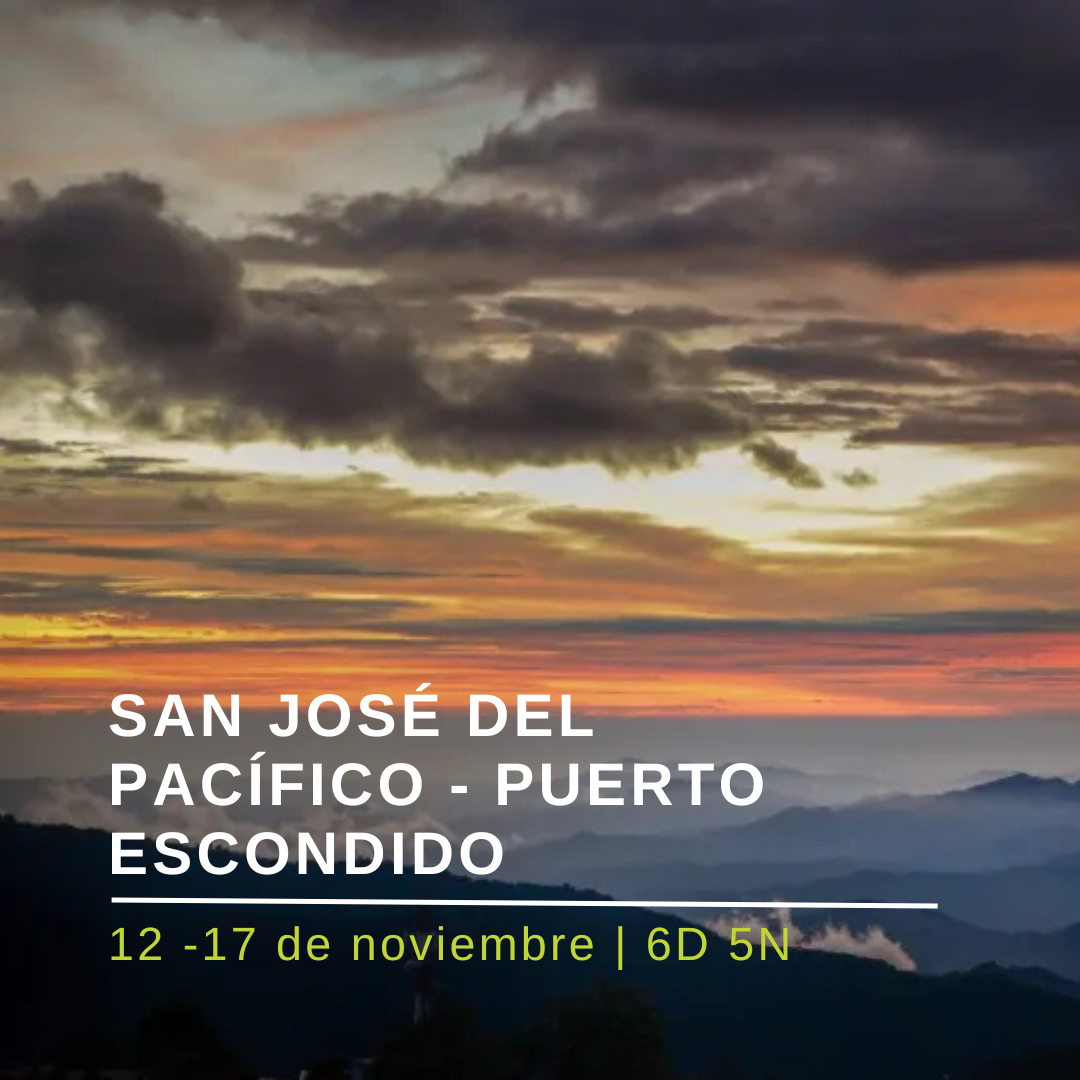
{"type": "Point", "coordinates": [1016, 820]}
{"type": "Point", "coordinates": [1026, 785]}
{"type": "Point", "coordinates": [86, 802]}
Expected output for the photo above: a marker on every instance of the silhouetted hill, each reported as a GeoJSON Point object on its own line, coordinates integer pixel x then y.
{"type": "Point", "coordinates": [1033, 976]}
{"type": "Point", "coordinates": [810, 1016]}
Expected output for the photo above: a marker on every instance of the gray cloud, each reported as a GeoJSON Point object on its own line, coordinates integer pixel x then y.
{"type": "Point", "coordinates": [857, 478]}
{"type": "Point", "coordinates": [27, 448]}
{"type": "Point", "coordinates": [616, 162]}
{"type": "Point", "coordinates": [575, 317]}
{"type": "Point", "coordinates": [170, 342]}
{"type": "Point", "coordinates": [596, 192]}
{"type": "Point", "coordinates": [806, 305]}
{"type": "Point", "coordinates": [182, 350]}
{"type": "Point", "coordinates": [30, 346]}
{"type": "Point", "coordinates": [952, 64]}
{"type": "Point", "coordinates": [496, 244]}
{"type": "Point", "coordinates": [109, 247]}
{"type": "Point", "coordinates": [782, 462]}
{"type": "Point", "coordinates": [900, 383]}
{"type": "Point", "coordinates": [910, 135]}
{"type": "Point", "coordinates": [991, 418]}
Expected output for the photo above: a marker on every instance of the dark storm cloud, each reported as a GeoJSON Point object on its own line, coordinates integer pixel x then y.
{"type": "Point", "coordinates": [913, 134]}
{"type": "Point", "coordinates": [960, 63]}
{"type": "Point", "coordinates": [726, 202]}
{"type": "Point", "coordinates": [933, 204]}
{"type": "Point", "coordinates": [176, 333]}
{"type": "Point", "coordinates": [108, 246]}
{"type": "Point", "coordinates": [903, 196]}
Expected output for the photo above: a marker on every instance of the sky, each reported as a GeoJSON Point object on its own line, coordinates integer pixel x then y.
{"type": "Point", "coordinates": [715, 362]}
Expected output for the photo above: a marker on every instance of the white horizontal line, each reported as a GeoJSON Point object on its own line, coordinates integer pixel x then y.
{"type": "Point", "coordinates": [350, 901]}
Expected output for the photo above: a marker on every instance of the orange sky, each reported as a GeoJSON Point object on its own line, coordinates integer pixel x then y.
{"type": "Point", "coordinates": [355, 586]}
{"type": "Point", "coordinates": [859, 556]}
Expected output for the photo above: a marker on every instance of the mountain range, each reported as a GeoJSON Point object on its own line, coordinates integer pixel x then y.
{"type": "Point", "coordinates": [1013, 821]}
{"type": "Point", "coordinates": [811, 1016]}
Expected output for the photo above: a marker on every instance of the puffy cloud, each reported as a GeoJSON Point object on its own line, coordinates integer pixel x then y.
{"type": "Point", "coordinates": [108, 246]}
{"type": "Point", "coordinates": [872, 944]}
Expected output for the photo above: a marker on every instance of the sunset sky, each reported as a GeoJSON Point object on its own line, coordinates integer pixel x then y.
{"type": "Point", "coordinates": [711, 359]}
